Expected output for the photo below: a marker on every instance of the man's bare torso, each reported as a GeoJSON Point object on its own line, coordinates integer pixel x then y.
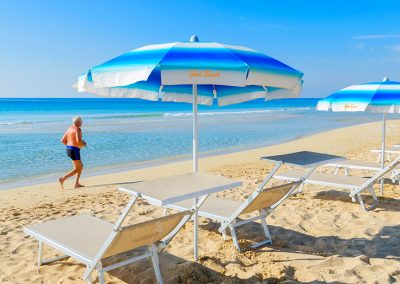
{"type": "Point", "coordinates": [73, 137]}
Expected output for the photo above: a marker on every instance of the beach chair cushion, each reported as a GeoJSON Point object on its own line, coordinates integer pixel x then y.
{"type": "Point", "coordinates": [83, 234]}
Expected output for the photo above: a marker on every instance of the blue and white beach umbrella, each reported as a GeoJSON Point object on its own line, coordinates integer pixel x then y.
{"type": "Point", "coordinates": [193, 72]}
{"type": "Point", "coordinates": [379, 97]}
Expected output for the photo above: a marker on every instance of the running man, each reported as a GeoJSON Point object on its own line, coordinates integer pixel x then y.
{"type": "Point", "coordinates": [73, 140]}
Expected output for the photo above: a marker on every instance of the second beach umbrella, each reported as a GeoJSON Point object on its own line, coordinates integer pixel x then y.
{"type": "Point", "coordinates": [379, 97]}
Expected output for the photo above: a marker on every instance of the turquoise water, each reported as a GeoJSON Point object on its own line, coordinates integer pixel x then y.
{"type": "Point", "coordinates": [129, 132]}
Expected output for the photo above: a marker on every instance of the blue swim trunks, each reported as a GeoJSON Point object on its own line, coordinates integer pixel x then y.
{"type": "Point", "coordinates": [74, 153]}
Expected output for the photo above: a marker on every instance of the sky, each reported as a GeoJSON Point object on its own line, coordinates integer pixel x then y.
{"type": "Point", "coordinates": [46, 45]}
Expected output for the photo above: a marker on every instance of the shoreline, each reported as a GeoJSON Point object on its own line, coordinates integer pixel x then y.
{"type": "Point", "coordinates": [243, 155]}
{"type": "Point", "coordinates": [124, 167]}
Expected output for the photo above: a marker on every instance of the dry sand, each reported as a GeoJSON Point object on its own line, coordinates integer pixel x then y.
{"type": "Point", "coordinates": [318, 235]}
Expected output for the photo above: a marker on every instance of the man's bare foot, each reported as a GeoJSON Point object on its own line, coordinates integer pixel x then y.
{"type": "Point", "coordinates": [60, 180]}
{"type": "Point", "coordinates": [79, 185]}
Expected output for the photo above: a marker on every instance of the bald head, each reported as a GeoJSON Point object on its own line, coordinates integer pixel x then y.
{"type": "Point", "coordinates": [77, 121]}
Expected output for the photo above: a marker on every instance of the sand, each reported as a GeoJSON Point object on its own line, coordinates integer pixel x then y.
{"type": "Point", "coordinates": [318, 235]}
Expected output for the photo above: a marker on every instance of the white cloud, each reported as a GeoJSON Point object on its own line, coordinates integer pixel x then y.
{"type": "Point", "coordinates": [360, 45]}
{"type": "Point", "coordinates": [377, 36]}
{"type": "Point", "coordinates": [395, 47]}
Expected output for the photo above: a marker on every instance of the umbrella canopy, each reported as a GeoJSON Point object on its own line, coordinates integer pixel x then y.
{"type": "Point", "coordinates": [379, 97]}
{"type": "Point", "coordinates": [230, 74]}
{"type": "Point", "coordinates": [193, 72]}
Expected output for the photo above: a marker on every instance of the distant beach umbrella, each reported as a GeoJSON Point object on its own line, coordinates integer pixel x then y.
{"type": "Point", "coordinates": [378, 97]}
{"type": "Point", "coordinates": [193, 72]}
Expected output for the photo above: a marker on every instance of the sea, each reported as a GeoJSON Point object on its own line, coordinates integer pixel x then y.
{"type": "Point", "coordinates": [124, 134]}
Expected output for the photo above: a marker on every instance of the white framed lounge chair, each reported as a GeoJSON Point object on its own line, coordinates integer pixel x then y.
{"type": "Point", "coordinates": [356, 185]}
{"type": "Point", "coordinates": [389, 151]}
{"type": "Point", "coordinates": [354, 165]}
{"type": "Point", "coordinates": [91, 240]}
{"type": "Point", "coordinates": [227, 212]}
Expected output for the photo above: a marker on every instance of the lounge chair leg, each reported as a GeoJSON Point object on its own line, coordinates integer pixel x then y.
{"type": "Point", "coordinates": [336, 170]}
{"type": "Point", "coordinates": [361, 201]}
{"type": "Point", "coordinates": [300, 189]}
{"type": "Point", "coordinates": [40, 252]}
{"type": "Point", "coordinates": [165, 212]}
{"type": "Point", "coordinates": [99, 268]}
{"type": "Point", "coordinates": [263, 216]}
{"type": "Point", "coordinates": [89, 279]}
{"type": "Point", "coordinates": [346, 172]}
{"type": "Point", "coordinates": [224, 235]}
{"type": "Point", "coordinates": [234, 238]}
{"type": "Point", "coordinates": [156, 263]}
{"type": "Point", "coordinates": [372, 191]}
{"type": "Point", "coordinates": [40, 260]}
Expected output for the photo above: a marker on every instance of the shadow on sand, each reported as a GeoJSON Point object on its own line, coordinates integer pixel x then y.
{"type": "Point", "coordinates": [385, 203]}
{"type": "Point", "coordinates": [115, 183]}
{"type": "Point", "coordinates": [177, 270]}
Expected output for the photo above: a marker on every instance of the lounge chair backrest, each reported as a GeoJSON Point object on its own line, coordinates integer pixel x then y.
{"type": "Point", "coordinates": [143, 234]}
{"type": "Point", "coordinates": [269, 197]}
{"type": "Point", "coordinates": [379, 175]}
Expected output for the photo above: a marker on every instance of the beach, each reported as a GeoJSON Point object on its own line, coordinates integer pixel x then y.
{"type": "Point", "coordinates": [318, 235]}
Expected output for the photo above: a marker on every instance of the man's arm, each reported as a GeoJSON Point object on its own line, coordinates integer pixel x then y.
{"type": "Point", "coordinates": [64, 139]}
{"type": "Point", "coordinates": [81, 143]}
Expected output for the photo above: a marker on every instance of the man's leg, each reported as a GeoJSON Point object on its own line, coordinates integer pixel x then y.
{"type": "Point", "coordinates": [79, 166]}
{"type": "Point", "coordinates": [68, 175]}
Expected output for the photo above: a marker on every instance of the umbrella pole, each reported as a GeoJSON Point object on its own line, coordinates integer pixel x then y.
{"type": "Point", "coordinates": [195, 129]}
{"type": "Point", "coordinates": [383, 149]}
{"type": "Point", "coordinates": [195, 168]}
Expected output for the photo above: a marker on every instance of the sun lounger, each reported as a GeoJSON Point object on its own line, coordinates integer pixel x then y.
{"type": "Point", "coordinates": [354, 165]}
{"type": "Point", "coordinates": [91, 240]}
{"type": "Point", "coordinates": [356, 185]}
{"type": "Point", "coordinates": [227, 212]}
{"type": "Point", "coordinates": [395, 150]}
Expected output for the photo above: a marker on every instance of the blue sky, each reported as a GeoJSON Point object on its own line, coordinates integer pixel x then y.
{"type": "Point", "coordinates": [45, 45]}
